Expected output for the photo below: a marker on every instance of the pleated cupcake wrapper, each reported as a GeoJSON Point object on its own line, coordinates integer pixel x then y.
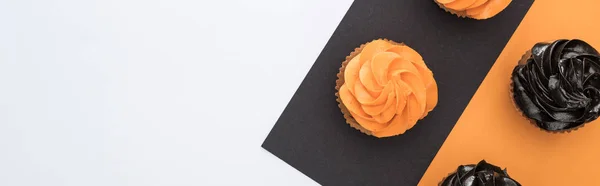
{"type": "Point", "coordinates": [461, 14]}
{"type": "Point", "coordinates": [340, 81]}
{"type": "Point", "coordinates": [523, 60]}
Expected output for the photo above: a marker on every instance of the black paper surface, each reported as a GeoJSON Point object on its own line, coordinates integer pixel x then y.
{"type": "Point", "coordinates": [311, 134]}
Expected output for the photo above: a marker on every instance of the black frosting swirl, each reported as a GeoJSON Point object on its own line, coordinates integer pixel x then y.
{"type": "Point", "coordinates": [482, 174]}
{"type": "Point", "coordinates": [558, 84]}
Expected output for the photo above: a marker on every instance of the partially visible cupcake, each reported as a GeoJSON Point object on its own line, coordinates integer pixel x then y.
{"type": "Point", "coordinates": [482, 174]}
{"type": "Point", "coordinates": [384, 88]}
{"type": "Point", "coordinates": [557, 85]}
{"type": "Point", "coordinates": [476, 9]}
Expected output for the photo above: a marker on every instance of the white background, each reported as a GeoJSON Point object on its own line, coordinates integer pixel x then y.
{"type": "Point", "coordinates": [152, 92]}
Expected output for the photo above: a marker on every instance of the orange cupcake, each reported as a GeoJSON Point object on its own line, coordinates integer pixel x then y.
{"type": "Point", "coordinates": [384, 88]}
{"type": "Point", "coordinates": [476, 9]}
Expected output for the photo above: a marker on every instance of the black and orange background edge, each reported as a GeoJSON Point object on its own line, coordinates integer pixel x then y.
{"type": "Point", "coordinates": [311, 134]}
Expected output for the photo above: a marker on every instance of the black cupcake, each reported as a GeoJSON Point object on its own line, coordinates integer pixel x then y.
{"type": "Point", "coordinates": [557, 85]}
{"type": "Point", "coordinates": [482, 174]}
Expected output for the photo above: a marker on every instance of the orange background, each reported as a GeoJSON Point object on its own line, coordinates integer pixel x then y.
{"type": "Point", "coordinates": [490, 128]}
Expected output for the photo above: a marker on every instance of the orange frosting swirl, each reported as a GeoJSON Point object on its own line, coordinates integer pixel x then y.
{"type": "Point", "coordinates": [476, 9]}
{"type": "Point", "coordinates": [388, 88]}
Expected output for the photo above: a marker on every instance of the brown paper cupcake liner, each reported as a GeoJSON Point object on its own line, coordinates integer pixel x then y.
{"type": "Point", "coordinates": [340, 81]}
{"type": "Point", "coordinates": [523, 60]}
{"type": "Point", "coordinates": [461, 14]}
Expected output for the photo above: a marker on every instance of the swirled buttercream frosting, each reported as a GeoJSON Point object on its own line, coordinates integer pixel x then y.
{"type": "Point", "coordinates": [557, 85]}
{"type": "Point", "coordinates": [482, 174]}
{"type": "Point", "coordinates": [387, 88]}
{"type": "Point", "coordinates": [476, 9]}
